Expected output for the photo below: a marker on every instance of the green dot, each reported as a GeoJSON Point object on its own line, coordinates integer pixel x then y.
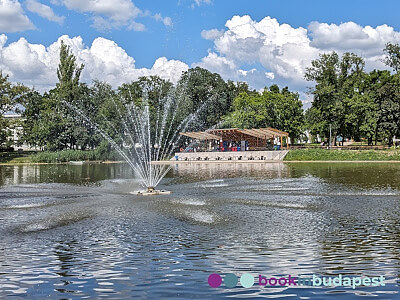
{"type": "Point", "coordinates": [230, 280]}
{"type": "Point", "coordinates": [247, 280]}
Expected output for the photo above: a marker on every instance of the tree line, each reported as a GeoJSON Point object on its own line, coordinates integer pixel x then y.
{"type": "Point", "coordinates": [347, 101]}
{"type": "Point", "coordinates": [353, 103]}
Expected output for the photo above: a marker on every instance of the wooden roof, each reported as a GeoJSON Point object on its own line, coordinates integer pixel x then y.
{"type": "Point", "coordinates": [228, 133]}
{"type": "Point", "coordinates": [201, 135]}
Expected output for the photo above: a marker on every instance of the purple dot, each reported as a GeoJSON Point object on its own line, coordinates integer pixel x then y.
{"type": "Point", "coordinates": [214, 280]}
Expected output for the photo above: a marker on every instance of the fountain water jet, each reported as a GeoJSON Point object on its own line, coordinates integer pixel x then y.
{"type": "Point", "coordinates": [144, 136]}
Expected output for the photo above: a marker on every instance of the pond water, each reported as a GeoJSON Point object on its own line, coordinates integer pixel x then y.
{"type": "Point", "coordinates": [70, 232]}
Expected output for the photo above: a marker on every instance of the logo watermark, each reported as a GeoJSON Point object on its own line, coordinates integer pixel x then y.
{"type": "Point", "coordinates": [247, 280]}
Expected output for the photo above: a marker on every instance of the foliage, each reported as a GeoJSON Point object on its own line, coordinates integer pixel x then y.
{"type": "Point", "coordinates": [207, 95]}
{"type": "Point", "coordinates": [72, 155]}
{"type": "Point", "coordinates": [353, 103]}
{"type": "Point", "coordinates": [68, 73]}
{"type": "Point", "coordinates": [272, 108]}
{"type": "Point", "coordinates": [337, 78]}
{"type": "Point", "coordinates": [10, 95]}
{"type": "Point", "coordinates": [392, 56]}
{"type": "Point", "coordinates": [8, 157]}
{"type": "Point", "coordinates": [341, 155]}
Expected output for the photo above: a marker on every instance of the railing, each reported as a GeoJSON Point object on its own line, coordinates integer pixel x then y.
{"type": "Point", "coordinates": [349, 147]}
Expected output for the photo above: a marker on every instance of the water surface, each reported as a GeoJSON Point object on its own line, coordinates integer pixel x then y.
{"type": "Point", "coordinates": [70, 232]}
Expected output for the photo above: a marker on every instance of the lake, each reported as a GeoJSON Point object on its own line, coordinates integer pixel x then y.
{"type": "Point", "coordinates": [71, 232]}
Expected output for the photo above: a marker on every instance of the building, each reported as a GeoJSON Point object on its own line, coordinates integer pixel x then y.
{"type": "Point", "coordinates": [15, 130]}
{"type": "Point", "coordinates": [235, 144]}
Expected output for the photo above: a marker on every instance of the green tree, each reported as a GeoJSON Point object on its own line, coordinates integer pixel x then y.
{"type": "Point", "coordinates": [205, 94]}
{"type": "Point", "coordinates": [384, 89]}
{"type": "Point", "coordinates": [336, 79]}
{"type": "Point", "coordinates": [11, 95]}
{"type": "Point", "coordinates": [273, 108]}
{"type": "Point", "coordinates": [59, 126]}
{"type": "Point", "coordinates": [314, 123]}
{"type": "Point", "coordinates": [360, 118]}
{"type": "Point", "coordinates": [392, 56]}
{"type": "Point", "coordinates": [33, 134]}
{"type": "Point", "coordinates": [68, 73]}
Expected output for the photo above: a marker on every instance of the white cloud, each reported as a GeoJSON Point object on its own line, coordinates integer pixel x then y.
{"type": "Point", "coordinates": [200, 2]}
{"type": "Point", "coordinates": [281, 52]}
{"type": "Point", "coordinates": [136, 26]}
{"type": "Point", "coordinates": [167, 21]}
{"type": "Point", "coordinates": [3, 40]}
{"type": "Point", "coordinates": [44, 11]}
{"type": "Point", "coordinates": [108, 14]}
{"type": "Point", "coordinates": [352, 37]}
{"type": "Point", "coordinates": [36, 65]}
{"type": "Point", "coordinates": [259, 52]}
{"type": "Point", "coordinates": [270, 75]}
{"type": "Point", "coordinates": [229, 70]}
{"type": "Point", "coordinates": [116, 14]}
{"type": "Point", "coordinates": [216, 63]}
{"type": "Point", "coordinates": [12, 17]}
{"type": "Point", "coordinates": [211, 34]}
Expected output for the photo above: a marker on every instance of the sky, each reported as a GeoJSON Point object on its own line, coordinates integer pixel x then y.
{"type": "Point", "coordinates": [260, 42]}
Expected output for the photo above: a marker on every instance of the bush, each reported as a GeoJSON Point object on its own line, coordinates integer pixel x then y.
{"type": "Point", "coordinates": [73, 155]}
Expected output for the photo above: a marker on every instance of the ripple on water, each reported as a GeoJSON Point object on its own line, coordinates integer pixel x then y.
{"type": "Point", "coordinates": [189, 201]}
{"type": "Point", "coordinates": [53, 222]}
{"type": "Point", "coordinates": [202, 216]}
{"type": "Point", "coordinates": [107, 244]}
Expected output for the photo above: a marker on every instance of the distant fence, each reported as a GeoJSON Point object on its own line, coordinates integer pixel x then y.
{"type": "Point", "coordinates": [349, 147]}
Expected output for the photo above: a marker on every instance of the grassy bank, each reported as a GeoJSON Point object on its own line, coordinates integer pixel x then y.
{"type": "Point", "coordinates": [57, 157]}
{"type": "Point", "coordinates": [293, 155]}
{"type": "Point", "coordinates": [14, 157]}
{"type": "Point", "coordinates": [342, 155]}
{"type": "Point", "coordinates": [72, 155]}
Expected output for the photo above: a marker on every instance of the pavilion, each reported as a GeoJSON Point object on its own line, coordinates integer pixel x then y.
{"type": "Point", "coordinates": [255, 139]}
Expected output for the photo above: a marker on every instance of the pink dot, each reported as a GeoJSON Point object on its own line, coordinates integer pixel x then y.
{"type": "Point", "coordinates": [214, 280]}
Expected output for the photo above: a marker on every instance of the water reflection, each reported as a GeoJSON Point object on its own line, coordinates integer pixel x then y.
{"type": "Point", "coordinates": [62, 173]}
{"type": "Point", "coordinates": [63, 240]}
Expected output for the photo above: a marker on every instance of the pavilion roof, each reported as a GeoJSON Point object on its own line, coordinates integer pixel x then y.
{"type": "Point", "coordinates": [231, 133]}
{"type": "Point", "coordinates": [201, 135]}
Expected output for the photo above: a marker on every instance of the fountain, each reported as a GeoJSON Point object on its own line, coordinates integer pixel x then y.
{"type": "Point", "coordinates": [147, 134]}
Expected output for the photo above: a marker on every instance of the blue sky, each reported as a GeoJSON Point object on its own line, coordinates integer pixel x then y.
{"type": "Point", "coordinates": [149, 30]}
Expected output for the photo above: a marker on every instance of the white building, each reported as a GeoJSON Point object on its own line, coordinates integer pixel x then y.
{"type": "Point", "coordinates": [16, 128]}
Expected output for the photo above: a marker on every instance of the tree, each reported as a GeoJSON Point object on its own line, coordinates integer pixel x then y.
{"type": "Point", "coordinates": [337, 78]}
{"type": "Point", "coordinates": [384, 89]}
{"type": "Point", "coordinates": [68, 73]}
{"type": "Point", "coordinates": [11, 95]}
{"type": "Point", "coordinates": [272, 108]}
{"type": "Point", "coordinates": [33, 134]}
{"type": "Point", "coordinates": [392, 56]}
{"type": "Point", "coordinates": [314, 123]}
{"type": "Point", "coordinates": [360, 117]}
{"type": "Point", "coordinates": [288, 112]}
{"type": "Point", "coordinates": [205, 94]}
{"type": "Point", "coordinates": [247, 112]}
{"type": "Point", "coordinates": [56, 128]}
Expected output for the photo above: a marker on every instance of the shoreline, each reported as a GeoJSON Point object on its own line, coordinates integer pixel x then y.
{"type": "Point", "coordinates": [167, 162]}
{"type": "Point", "coordinates": [63, 163]}
{"type": "Point", "coordinates": [210, 162]}
{"type": "Point", "coordinates": [270, 161]}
